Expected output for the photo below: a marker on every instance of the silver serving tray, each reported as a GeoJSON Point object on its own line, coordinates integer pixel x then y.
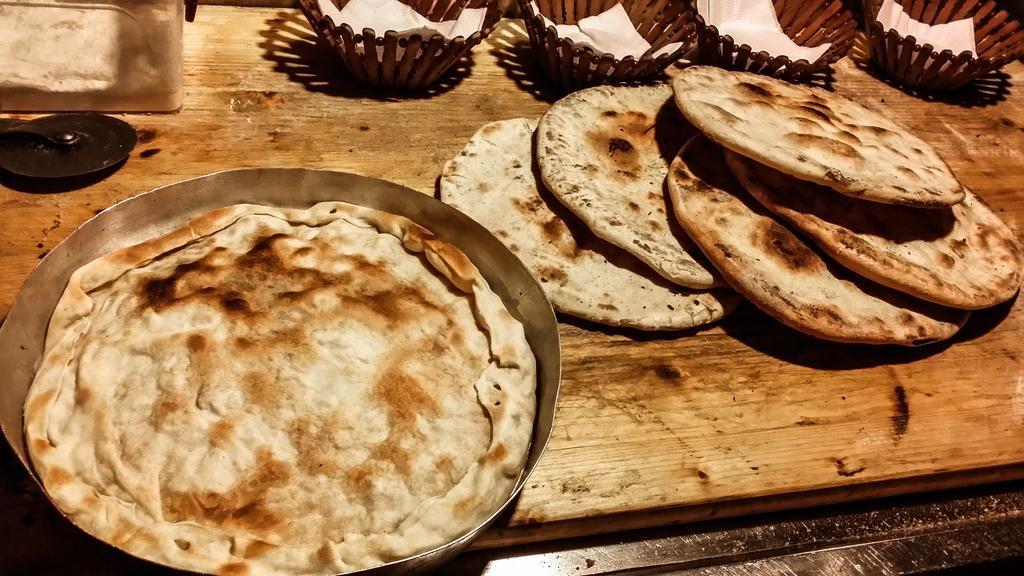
{"type": "Point", "coordinates": [161, 210]}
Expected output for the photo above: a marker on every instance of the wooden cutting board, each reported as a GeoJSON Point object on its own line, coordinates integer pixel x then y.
{"type": "Point", "coordinates": [743, 417]}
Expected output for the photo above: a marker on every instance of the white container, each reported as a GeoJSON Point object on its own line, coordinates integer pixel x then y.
{"type": "Point", "coordinates": [102, 55]}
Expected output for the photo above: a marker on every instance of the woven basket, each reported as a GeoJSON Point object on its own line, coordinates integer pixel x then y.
{"type": "Point", "coordinates": [660, 22]}
{"type": "Point", "coordinates": [999, 37]}
{"type": "Point", "coordinates": [808, 23]}
{"type": "Point", "coordinates": [388, 61]}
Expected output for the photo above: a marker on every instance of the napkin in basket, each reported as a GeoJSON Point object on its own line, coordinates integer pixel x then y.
{"type": "Point", "coordinates": [754, 23]}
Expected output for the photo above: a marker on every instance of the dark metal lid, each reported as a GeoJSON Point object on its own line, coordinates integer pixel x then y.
{"type": "Point", "coordinates": [64, 145]}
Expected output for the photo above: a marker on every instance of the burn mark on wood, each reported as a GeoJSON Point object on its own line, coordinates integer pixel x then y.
{"type": "Point", "coordinates": [845, 472]}
{"type": "Point", "coordinates": [666, 372]}
{"type": "Point", "coordinates": [574, 486]}
{"type": "Point", "coordinates": [149, 153]}
{"type": "Point", "coordinates": [145, 135]}
{"type": "Point", "coordinates": [901, 417]}
{"type": "Point", "coordinates": [249, 101]}
{"type": "Point", "coordinates": [54, 224]}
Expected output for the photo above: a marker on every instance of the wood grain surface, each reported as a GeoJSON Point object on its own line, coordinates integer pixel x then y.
{"type": "Point", "coordinates": [743, 417]}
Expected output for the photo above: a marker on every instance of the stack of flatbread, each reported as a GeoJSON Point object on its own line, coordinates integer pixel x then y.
{"type": "Point", "coordinates": [823, 213]}
{"type": "Point", "coordinates": [580, 197]}
{"type": "Point", "coordinates": [832, 218]}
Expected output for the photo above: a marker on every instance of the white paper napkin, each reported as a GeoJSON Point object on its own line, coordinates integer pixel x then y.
{"type": "Point", "coordinates": [610, 31]}
{"type": "Point", "coordinates": [754, 23]}
{"type": "Point", "coordinates": [384, 15]}
{"type": "Point", "coordinates": [957, 36]}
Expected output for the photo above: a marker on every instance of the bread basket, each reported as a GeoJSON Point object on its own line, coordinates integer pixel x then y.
{"type": "Point", "coordinates": [999, 38]}
{"type": "Point", "coordinates": [808, 23]}
{"type": "Point", "coordinates": [383, 59]}
{"type": "Point", "coordinates": [571, 66]}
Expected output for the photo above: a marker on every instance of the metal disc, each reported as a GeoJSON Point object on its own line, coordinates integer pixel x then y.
{"type": "Point", "coordinates": [102, 141]}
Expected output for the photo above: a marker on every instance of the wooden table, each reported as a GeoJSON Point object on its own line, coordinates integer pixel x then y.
{"type": "Point", "coordinates": [741, 417]}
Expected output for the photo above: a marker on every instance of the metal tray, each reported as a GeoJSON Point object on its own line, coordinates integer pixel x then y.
{"type": "Point", "coordinates": [161, 210]}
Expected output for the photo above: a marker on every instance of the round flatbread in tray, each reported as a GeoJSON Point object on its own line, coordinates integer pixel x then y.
{"type": "Point", "coordinates": [237, 275]}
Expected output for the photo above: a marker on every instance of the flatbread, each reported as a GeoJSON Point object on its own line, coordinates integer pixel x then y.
{"type": "Point", "coordinates": [962, 257]}
{"type": "Point", "coordinates": [604, 153]}
{"type": "Point", "coordinates": [267, 391]}
{"type": "Point", "coordinates": [815, 135]}
{"type": "Point", "coordinates": [493, 181]}
{"type": "Point", "coordinates": [780, 274]}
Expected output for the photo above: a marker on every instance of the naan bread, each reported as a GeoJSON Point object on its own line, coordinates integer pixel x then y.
{"type": "Point", "coordinates": [604, 153]}
{"type": "Point", "coordinates": [493, 181]}
{"type": "Point", "coordinates": [962, 257]}
{"type": "Point", "coordinates": [780, 274]}
{"type": "Point", "coordinates": [815, 135]}
{"type": "Point", "coordinates": [281, 391]}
